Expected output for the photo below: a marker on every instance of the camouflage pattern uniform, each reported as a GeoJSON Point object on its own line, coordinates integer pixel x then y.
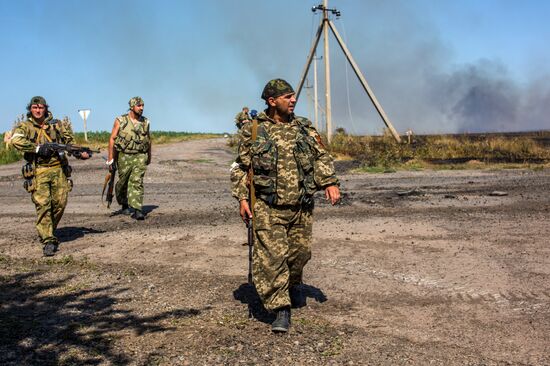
{"type": "Point", "coordinates": [51, 186]}
{"type": "Point", "coordinates": [132, 144]}
{"type": "Point", "coordinates": [241, 118]}
{"type": "Point", "coordinates": [290, 163]}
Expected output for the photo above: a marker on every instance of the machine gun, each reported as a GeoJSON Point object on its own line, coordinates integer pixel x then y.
{"type": "Point", "coordinates": [74, 150]}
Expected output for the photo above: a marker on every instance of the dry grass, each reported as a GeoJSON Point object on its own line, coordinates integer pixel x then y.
{"type": "Point", "coordinates": [476, 151]}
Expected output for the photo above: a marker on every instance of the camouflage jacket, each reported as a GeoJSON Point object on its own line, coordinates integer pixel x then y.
{"type": "Point", "coordinates": [288, 159]}
{"type": "Point", "coordinates": [28, 134]}
{"type": "Point", "coordinates": [241, 118]}
{"type": "Point", "coordinates": [132, 138]}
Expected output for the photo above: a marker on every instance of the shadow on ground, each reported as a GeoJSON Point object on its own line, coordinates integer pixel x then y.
{"type": "Point", "coordinates": [70, 233]}
{"type": "Point", "coordinates": [145, 209]}
{"type": "Point", "coordinates": [247, 294]}
{"type": "Point", "coordinates": [56, 322]}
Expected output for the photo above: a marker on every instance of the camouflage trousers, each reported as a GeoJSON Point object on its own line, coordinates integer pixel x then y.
{"type": "Point", "coordinates": [282, 247]}
{"type": "Point", "coordinates": [50, 199]}
{"type": "Point", "coordinates": [129, 187]}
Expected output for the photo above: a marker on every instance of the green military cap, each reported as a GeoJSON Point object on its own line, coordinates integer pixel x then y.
{"type": "Point", "coordinates": [275, 88]}
{"type": "Point", "coordinates": [37, 100]}
{"type": "Point", "coordinates": [135, 101]}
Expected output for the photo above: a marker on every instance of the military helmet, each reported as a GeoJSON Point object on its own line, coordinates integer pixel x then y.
{"type": "Point", "coordinates": [275, 88]}
{"type": "Point", "coordinates": [135, 101]}
{"type": "Point", "coordinates": [37, 100]}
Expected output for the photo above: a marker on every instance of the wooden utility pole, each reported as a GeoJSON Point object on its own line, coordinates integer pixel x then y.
{"type": "Point", "coordinates": [315, 97]}
{"type": "Point", "coordinates": [324, 26]}
{"type": "Point", "coordinates": [328, 100]}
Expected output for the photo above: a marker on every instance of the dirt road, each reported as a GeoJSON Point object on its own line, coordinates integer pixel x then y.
{"type": "Point", "coordinates": [411, 268]}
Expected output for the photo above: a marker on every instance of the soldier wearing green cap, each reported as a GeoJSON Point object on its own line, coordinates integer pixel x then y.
{"type": "Point", "coordinates": [289, 164]}
{"type": "Point", "coordinates": [46, 172]}
{"type": "Point", "coordinates": [242, 117]}
{"type": "Point", "coordinates": [130, 150]}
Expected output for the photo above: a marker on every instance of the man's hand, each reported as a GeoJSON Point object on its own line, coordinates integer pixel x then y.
{"type": "Point", "coordinates": [332, 193]}
{"type": "Point", "coordinates": [81, 155]}
{"type": "Point", "coordinates": [110, 164]}
{"type": "Point", "coordinates": [244, 210]}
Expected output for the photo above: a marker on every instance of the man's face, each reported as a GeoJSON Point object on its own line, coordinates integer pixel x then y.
{"type": "Point", "coordinates": [284, 104]}
{"type": "Point", "coordinates": [38, 111]}
{"type": "Point", "coordinates": [138, 109]}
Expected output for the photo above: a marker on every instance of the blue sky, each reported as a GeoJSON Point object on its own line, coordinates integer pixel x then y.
{"type": "Point", "coordinates": [435, 65]}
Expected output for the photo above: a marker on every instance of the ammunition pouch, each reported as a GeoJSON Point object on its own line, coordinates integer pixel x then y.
{"type": "Point", "coordinates": [307, 201]}
{"type": "Point", "coordinates": [132, 140]}
{"type": "Point", "coordinates": [67, 170]}
{"type": "Point", "coordinates": [122, 141]}
{"type": "Point", "coordinates": [305, 154]}
{"type": "Point", "coordinates": [264, 165]}
{"type": "Point", "coordinates": [28, 173]}
{"type": "Point", "coordinates": [29, 185]}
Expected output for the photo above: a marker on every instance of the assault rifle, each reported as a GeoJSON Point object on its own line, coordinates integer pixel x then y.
{"type": "Point", "coordinates": [75, 150]}
{"type": "Point", "coordinates": [250, 228]}
{"type": "Point", "coordinates": [109, 184]}
{"type": "Point", "coordinates": [250, 221]}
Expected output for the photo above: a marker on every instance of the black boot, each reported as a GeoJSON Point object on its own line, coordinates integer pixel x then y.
{"type": "Point", "coordinates": [49, 249]}
{"type": "Point", "coordinates": [125, 210]}
{"type": "Point", "coordinates": [138, 215]}
{"type": "Point", "coordinates": [282, 322]}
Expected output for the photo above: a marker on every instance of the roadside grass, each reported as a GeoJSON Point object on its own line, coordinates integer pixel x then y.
{"type": "Point", "coordinates": [100, 140]}
{"type": "Point", "coordinates": [8, 155]}
{"type": "Point", "coordinates": [382, 154]}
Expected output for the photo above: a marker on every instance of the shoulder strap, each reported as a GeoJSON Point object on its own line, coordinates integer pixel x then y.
{"type": "Point", "coordinates": [145, 124]}
{"type": "Point", "coordinates": [254, 129]}
{"type": "Point", "coordinates": [252, 191]}
{"type": "Point", "coordinates": [123, 121]}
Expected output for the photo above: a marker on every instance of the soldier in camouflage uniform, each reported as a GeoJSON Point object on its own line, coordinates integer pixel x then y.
{"type": "Point", "coordinates": [289, 164]}
{"type": "Point", "coordinates": [241, 118]}
{"type": "Point", "coordinates": [130, 149]}
{"type": "Point", "coordinates": [48, 183]}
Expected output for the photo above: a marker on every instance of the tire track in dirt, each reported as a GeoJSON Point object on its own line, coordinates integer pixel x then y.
{"type": "Point", "coordinates": [517, 300]}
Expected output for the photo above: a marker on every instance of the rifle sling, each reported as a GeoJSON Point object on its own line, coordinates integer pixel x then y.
{"type": "Point", "coordinates": [251, 173]}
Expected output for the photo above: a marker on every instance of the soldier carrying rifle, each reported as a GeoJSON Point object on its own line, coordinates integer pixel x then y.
{"type": "Point", "coordinates": [47, 170]}
{"type": "Point", "coordinates": [130, 153]}
{"type": "Point", "coordinates": [282, 159]}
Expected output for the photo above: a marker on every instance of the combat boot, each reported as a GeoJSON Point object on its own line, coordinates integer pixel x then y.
{"type": "Point", "coordinates": [282, 321]}
{"type": "Point", "coordinates": [49, 249]}
{"type": "Point", "coordinates": [138, 215]}
{"type": "Point", "coordinates": [125, 210]}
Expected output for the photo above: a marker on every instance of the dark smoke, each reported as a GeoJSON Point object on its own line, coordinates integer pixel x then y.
{"type": "Point", "coordinates": [479, 98]}
{"type": "Point", "coordinates": [412, 70]}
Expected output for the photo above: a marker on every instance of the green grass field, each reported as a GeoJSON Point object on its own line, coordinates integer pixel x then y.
{"type": "Point", "coordinates": [101, 140]}
{"type": "Point", "coordinates": [383, 154]}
